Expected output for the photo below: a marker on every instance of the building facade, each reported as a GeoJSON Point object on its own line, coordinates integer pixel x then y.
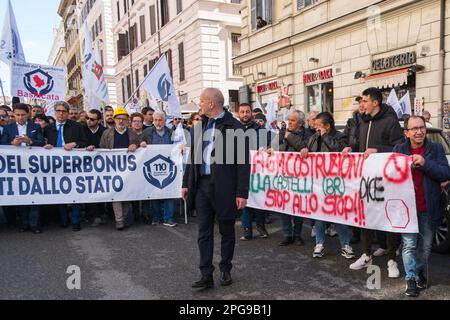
{"type": "Point", "coordinates": [321, 54]}
{"type": "Point", "coordinates": [199, 38]}
{"type": "Point", "coordinates": [69, 11]}
{"type": "Point", "coordinates": [97, 14]}
{"type": "Point", "coordinates": [57, 56]}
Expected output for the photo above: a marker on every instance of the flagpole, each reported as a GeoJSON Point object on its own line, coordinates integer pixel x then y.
{"type": "Point", "coordinates": [140, 85]}
{"type": "Point", "coordinates": [3, 92]}
{"type": "Point", "coordinates": [129, 49]}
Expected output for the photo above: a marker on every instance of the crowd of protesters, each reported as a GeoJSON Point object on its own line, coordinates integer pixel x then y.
{"type": "Point", "coordinates": [373, 128]}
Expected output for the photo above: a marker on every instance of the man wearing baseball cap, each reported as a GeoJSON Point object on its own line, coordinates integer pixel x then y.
{"type": "Point", "coordinates": [121, 137]}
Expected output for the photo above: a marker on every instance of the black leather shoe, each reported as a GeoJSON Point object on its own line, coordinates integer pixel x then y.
{"type": "Point", "coordinates": [286, 242]}
{"type": "Point", "coordinates": [37, 231]}
{"type": "Point", "coordinates": [203, 284]}
{"type": "Point", "coordinates": [76, 227]}
{"type": "Point", "coordinates": [25, 229]}
{"type": "Point", "coordinates": [225, 279]}
{"type": "Point", "coordinates": [299, 241]}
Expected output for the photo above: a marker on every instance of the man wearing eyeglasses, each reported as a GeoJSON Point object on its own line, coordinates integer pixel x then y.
{"type": "Point", "coordinates": [94, 131]}
{"type": "Point", "coordinates": [67, 134]}
{"type": "Point", "coordinates": [429, 169]}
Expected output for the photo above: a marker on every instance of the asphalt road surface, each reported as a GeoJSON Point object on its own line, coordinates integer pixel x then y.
{"type": "Point", "coordinates": [157, 262]}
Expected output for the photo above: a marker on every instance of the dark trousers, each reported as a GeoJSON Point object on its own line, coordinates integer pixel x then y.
{"type": "Point", "coordinates": [95, 210]}
{"type": "Point", "coordinates": [206, 210]}
{"type": "Point", "coordinates": [367, 240]}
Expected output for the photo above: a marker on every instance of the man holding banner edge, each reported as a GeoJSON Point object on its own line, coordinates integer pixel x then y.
{"type": "Point", "coordinates": [378, 132]}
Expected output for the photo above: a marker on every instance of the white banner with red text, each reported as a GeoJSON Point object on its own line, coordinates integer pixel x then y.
{"type": "Point", "coordinates": [35, 176]}
{"type": "Point", "coordinates": [376, 193]}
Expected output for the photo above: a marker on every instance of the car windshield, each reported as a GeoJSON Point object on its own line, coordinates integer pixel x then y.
{"type": "Point", "coordinates": [438, 138]}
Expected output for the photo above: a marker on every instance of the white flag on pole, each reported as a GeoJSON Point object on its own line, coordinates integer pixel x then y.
{"type": "Point", "coordinates": [153, 104]}
{"type": "Point", "coordinates": [271, 115]}
{"type": "Point", "coordinates": [405, 104]}
{"type": "Point", "coordinates": [258, 104]}
{"type": "Point", "coordinates": [394, 103]}
{"type": "Point", "coordinates": [11, 48]}
{"type": "Point", "coordinates": [96, 88]}
{"type": "Point", "coordinates": [159, 84]}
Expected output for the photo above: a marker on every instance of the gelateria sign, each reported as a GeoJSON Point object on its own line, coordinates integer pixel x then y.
{"type": "Point", "coordinates": [320, 75]}
{"type": "Point", "coordinates": [398, 60]}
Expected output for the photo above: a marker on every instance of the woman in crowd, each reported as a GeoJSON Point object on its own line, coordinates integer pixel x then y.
{"type": "Point", "coordinates": [328, 139]}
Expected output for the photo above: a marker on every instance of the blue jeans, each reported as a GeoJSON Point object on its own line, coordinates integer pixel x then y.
{"type": "Point", "coordinates": [169, 207]}
{"type": "Point", "coordinates": [341, 229]}
{"type": "Point", "coordinates": [249, 213]}
{"type": "Point", "coordinates": [75, 217]}
{"type": "Point", "coordinates": [417, 248]}
{"type": "Point", "coordinates": [292, 226]}
{"type": "Point", "coordinates": [30, 216]}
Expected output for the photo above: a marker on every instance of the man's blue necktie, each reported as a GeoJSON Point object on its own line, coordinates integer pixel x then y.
{"type": "Point", "coordinates": [207, 135]}
{"type": "Point", "coordinates": [60, 141]}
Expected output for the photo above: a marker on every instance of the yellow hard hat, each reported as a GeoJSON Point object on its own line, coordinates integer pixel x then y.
{"type": "Point", "coordinates": [120, 111]}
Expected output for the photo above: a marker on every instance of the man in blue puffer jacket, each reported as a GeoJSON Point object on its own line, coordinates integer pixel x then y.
{"type": "Point", "coordinates": [429, 169]}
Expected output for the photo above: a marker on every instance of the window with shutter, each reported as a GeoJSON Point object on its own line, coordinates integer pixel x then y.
{"type": "Point", "coordinates": [169, 61]}
{"type": "Point", "coordinates": [123, 91]}
{"type": "Point", "coordinates": [152, 20]}
{"type": "Point", "coordinates": [179, 6]}
{"type": "Point", "coordinates": [118, 11]}
{"type": "Point", "coordinates": [164, 12]}
{"type": "Point", "coordinates": [137, 80]}
{"type": "Point", "coordinates": [142, 24]}
{"type": "Point", "coordinates": [129, 86]}
{"type": "Point", "coordinates": [181, 61]}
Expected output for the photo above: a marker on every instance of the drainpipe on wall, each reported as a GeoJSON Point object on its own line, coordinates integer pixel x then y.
{"type": "Point", "coordinates": [441, 66]}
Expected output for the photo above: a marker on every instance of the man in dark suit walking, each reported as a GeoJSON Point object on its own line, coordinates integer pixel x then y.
{"type": "Point", "coordinates": [67, 134]}
{"type": "Point", "coordinates": [215, 184]}
{"type": "Point", "coordinates": [22, 133]}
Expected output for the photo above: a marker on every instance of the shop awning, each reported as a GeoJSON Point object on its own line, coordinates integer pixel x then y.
{"type": "Point", "coordinates": [388, 79]}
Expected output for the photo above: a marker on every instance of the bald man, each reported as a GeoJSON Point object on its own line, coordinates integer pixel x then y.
{"type": "Point", "coordinates": [215, 186]}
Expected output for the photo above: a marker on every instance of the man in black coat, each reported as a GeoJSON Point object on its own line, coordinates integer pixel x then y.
{"type": "Point", "coordinates": [67, 134]}
{"type": "Point", "coordinates": [379, 131]}
{"type": "Point", "coordinates": [21, 133]}
{"type": "Point", "coordinates": [218, 188]}
{"type": "Point", "coordinates": [93, 131]}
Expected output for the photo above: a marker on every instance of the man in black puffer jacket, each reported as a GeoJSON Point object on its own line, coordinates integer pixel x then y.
{"type": "Point", "coordinates": [379, 131]}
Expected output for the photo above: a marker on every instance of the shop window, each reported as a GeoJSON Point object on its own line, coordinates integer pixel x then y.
{"type": "Point", "coordinates": [320, 97]}
{"type": "Point", "coordinates": [261, 9]}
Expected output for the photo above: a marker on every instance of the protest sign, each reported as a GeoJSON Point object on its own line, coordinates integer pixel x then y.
{"type": "Point", "coordinates": [39, 176]}
{"type": "Point", "coordinates": [377, 193]}
{"type": "Point", "coordinates": [38, 82]}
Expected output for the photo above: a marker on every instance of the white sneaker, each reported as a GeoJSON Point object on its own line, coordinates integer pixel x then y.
{"type": "Point", "coordinates": [380, 252]}
{"type": "Point", "coordinates": [347, 252]}
{"type": "Point", "coordinates": [313, 232]}
{"type": "Point", "coordinates": [319, 251]}
{"type": "Point", "coordinates": [363, 262]}
{"type": "Point", "coordinates": [331, 231]}
{"type": "Point", "coordinates": [393, 271]}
